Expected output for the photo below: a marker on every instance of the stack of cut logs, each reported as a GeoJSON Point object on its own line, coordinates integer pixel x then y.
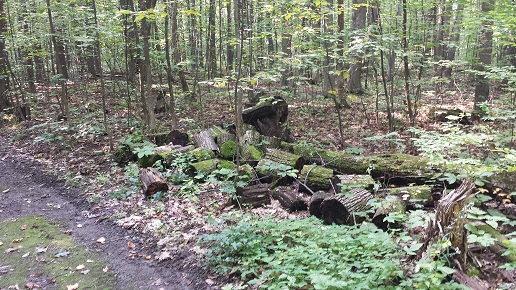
{"type": "Point", "coordinates": [334, 186]}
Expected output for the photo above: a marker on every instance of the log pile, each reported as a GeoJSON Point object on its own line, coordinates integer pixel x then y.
{"type": "Point", "coordinates": [334, 186]}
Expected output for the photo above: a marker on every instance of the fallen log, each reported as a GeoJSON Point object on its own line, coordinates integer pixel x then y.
{"type": "Point", "coordinates": [205, 139]}
{"type": "Point", "coordinates": [314, 206]}
{"type": "Point", "coordinates": [178, 138]}
{"type": "Point", "coordinates": [340, 182]}
{"type": "Point", "coordinates": [344, 209]}
{"type": "Point", "coordinates": [315, 178]}
{"type": "Point", "coordinates": [273, 172]}
{"type": "Point", "coordinates": [389, 205]}
{"type": "Point", "coordinates": [470, 282]}
{"type": "Point", "coordinates": [253, 195]}
{"type": "Point", "coordinates": [388, 168]}
{"type": "Point", "coordinates": [228, 150]}
{"type": "Point", "coordinates": [202, 153]}
{"type": "Point", "coordinates": [284, 157]}
{"type": "Point", "coordinates": [152, 181]}
{"type": "Point", "coordinates": [413, 196]}
{"type": "Point", "coordinates": [289, 198]}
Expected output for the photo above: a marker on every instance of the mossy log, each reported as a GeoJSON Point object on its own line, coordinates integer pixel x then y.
{"type": "Point", "coordinates": [206, 166]}
{"type": "Point", "coordinates": [342, 209]}
{"type": "Point", "coordinates": [290, 198]}
{"type": "Point", "coordinates": [392, 168]}
{"type": "Point", "coordinates": [413, 196]}
{"type": "Point", "coordinates": [356, 180]}
{"type": "Point", "coordinates": [202, 153]}
{"type": "Point", "coordinates": [314, 206]}
{"type": "Point", "coordinates": [391, 204]}
{"type": "Point", "coordinates": [224, 137]}
{"type": "Point", "coordinates": [205, 139]}
{"type": "Point", "coordinates": [284, 157]}
{"type": "Point", "coordinates": [316, 178]}
{"type": "Point", "coordinates": [228, 150]}
{"type": "Point", "coordinates": [217, 131]}
{"type": "Point", "coordinates": [253, 195]}
{"type": "Point", "coordinates": [270, 171]}
{"type": "Point", "coordinates": [149, 160]}
{"type": "Point", "coordinates": [251, 154]}
{"type": "Point", "coordinates": [152, 181]}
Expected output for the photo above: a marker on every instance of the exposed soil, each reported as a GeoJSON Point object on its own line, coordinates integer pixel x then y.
{"type": "Point", "coordinates": [31, 191]}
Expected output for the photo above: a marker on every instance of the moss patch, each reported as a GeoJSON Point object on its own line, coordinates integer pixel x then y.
{"type": "Point", "coordinates": [34, 250]}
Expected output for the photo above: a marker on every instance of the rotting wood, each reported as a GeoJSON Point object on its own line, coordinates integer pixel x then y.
{"type": "Point", "coordinates": [449, 221]}
{"type": "Point", "coordinates": [204, 139]}
{"type": "Point", "coordinates": [316, 177]}
{"type": "Point", "coordinates": [389, 205]}
{"type": "Point", "coordinates": [284, 157]}
{"type": "Point", "coordinates": [290, 198]}
{"type": "Point", "coordinates": [314, 206]}
{"type": "Point", "coordinates": [253, 195]}
{"type": "Point", "coordinates": [474, 283]}
{"type": "Point", "coordinates": [268, 117]}
{"type": "Point", "coordinates": [342, 209]}
{"type": "Point", "coordinates": [358, 180]}
{"type": "Point", "coordinates": [177, 137]}
{"type": "Point", "coordinates": [152, 181]}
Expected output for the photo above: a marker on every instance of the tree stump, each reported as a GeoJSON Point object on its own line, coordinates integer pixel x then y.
{"type": "Point", "coordinates": [152, 181]}
{"type": "Point", "coordinates": [289, 198]}
{"type": "Point", "coordinates": [268, 117]}
{"type": "Point", "coordinates": [178, 138]}
{"type": "Point", "coordinates": [253, 195]}
{"type": "Point", "coordinates": [204, 139]}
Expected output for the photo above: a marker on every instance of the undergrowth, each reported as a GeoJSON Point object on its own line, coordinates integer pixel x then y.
{"type": "Point", "coordinates": [305, 254]}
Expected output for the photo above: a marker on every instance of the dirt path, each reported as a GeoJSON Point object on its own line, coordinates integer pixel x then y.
{"type": "Point", "coordinates": [29, 191]}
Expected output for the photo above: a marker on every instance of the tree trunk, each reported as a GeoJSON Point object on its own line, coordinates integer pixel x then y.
{"type": "Point", "coordinates": [485, 46]}
{"type": "Point", "coordinates": [357, 26]}
{"type": "Point", "coordinates": [4, 61]}
{"type": "Point", "coordinates": [211, 54]}
{"type": "Point", "coordinates": [283, 157]}
{"type": "Point", "coordinates": [176, 51]}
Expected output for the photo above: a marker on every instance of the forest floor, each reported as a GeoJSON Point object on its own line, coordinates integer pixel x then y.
{"type": "Point", "coordinates": [63, 172]}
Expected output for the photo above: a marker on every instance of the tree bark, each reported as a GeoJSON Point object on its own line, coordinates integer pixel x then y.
{"type": "Point", "coordinates": [204, 139]}
{"type": "Point", "coordinates": [253, 195]}
{"type": "Point", "coordinates": [485, 46]}
{"type": "Point", "coordinates": [152, 181]}
{"type": "Point", "coordinates": [289, 198]}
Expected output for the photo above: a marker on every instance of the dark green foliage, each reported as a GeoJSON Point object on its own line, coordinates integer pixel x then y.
{"type": "Point", "coordinates": [294, 254]}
